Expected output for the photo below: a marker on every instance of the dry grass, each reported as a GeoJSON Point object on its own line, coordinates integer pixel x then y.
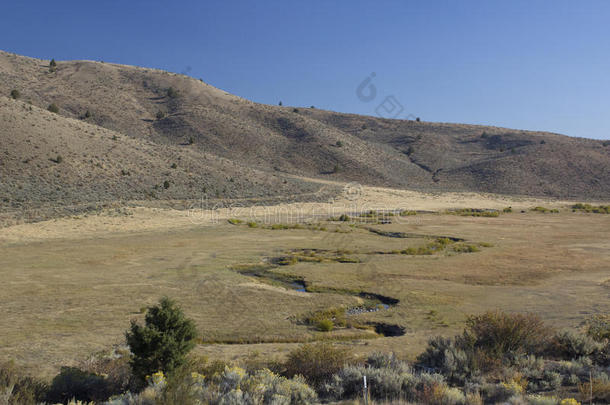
{"type": "Point", "coordinates": [65, 298]}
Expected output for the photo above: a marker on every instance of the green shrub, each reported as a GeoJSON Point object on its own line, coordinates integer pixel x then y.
{"type": "Point", "coordinates": [339, 144]}
{"type": "Point", "coordinates": [234, 221]}
{"type": "Point", "coordinates": [598, 327]}
{"type": "Point", "coordinates": [344, 217]}
{"type": "Point", "coordinates": [569, 345]}
{"type": "Point", "coordinates": [58, 159]}
{"type": "Point", "coordinates": [15, 94]}
{"type": "Point", "coordinates": [507, 210]}
{"type": "Point", "coordinates": [325, 325]}
{"type": "Point", "coordinates": [544, 210]}
{"type": "Point", "coordinates": [500, 334]}
{"type": "Point", "coordinates": [163, 342]}
{"type": "Point", "coordinates": [448, 358]}
{"type": "Point", "coordinates": [160, 115]}
{"type": "Point", "coordinates": [465, 248]}
{"type": "Point", "coordinates": [166, 184]}
{"type": "Point", "coordinates": [388, 379]}
{"type": "Point", "coordinates": [172, 93]}
{"type": "Point", "coordinates": [317, 362]}
{"type": "Point", "coordinates": [472, 212]}
{"type": "Point", "coordinates": [600, 209]}
{"type": "Point", "coordinates": [335, 315]}
{"type": "Point", "coordinates": [88, 114]}
{"type": "Point", "coordinates": [73, 383]}
{"type": "Point", "coordinates": [53, 108]}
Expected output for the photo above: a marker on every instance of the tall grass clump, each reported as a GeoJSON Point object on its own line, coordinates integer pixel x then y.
{"type": "Point", "coordinates": [317, 362]}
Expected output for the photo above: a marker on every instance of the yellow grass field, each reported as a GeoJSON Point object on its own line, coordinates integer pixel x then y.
{"type": "Point", "coordinates": [71, 286]}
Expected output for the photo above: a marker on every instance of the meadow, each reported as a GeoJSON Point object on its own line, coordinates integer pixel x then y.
{"type": "Point", "coordinates": [261, 288]}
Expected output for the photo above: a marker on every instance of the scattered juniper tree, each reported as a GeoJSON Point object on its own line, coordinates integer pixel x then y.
{"type": "Point", "coordinates": [15, 94]}
{"type": "Point", "coordinates": [163, 342]}
{"type": "Point", "coordinates": [52, 66]}
{"type": "Point", "coordinates": [172, 93]}
{"type": "Point", "coordinates": [53, 108]}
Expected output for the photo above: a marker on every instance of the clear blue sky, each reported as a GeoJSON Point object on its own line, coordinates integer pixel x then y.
{"type": "Point", "coordinates": [521, 64]}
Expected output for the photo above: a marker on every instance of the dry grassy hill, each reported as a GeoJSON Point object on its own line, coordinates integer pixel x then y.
{"type": "Point", "coordinates": [137, 129]}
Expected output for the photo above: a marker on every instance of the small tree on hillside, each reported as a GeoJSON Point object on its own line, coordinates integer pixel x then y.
{"type": "Point", "coordinates": [172, 93]}
{"type": "Point", "coordinates": [164, 341]}
{"type": "Point", "coordinates": [52, 66]}
{"type": "Point", "coordinates": [15, 94]}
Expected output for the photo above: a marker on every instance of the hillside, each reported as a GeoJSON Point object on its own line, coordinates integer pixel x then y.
{"type": "Point", "coordinates": [202, 141]}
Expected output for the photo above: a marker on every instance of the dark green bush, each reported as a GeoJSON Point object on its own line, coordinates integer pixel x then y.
{"type": "Point", "coordinates": [339, 144]}
{"type": "Point", "coordinates": [172, 93]}
{"type": "Point", "coordinates": [15, 94]}
{"type": "Point", "coordinates": [160, 115]}
{"type": "Point", "coordinates": [53, 108]}
{"type": "Point", "coordinates": [163, 342]}
{"type": "Point", "coordinates": [73, 383]}
{"type": "Point", "coordinates": [166, 184]}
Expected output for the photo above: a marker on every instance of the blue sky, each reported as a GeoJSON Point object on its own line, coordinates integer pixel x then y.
{"type": "Point", "coordinates": [541, 65]}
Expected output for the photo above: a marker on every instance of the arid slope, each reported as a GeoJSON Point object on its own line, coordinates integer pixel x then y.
{"type": "Point", "coordinates": [229, 147]}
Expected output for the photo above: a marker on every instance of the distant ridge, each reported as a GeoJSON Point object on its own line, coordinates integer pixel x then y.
{"type": "Point", "coordinates": [122, 134]}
